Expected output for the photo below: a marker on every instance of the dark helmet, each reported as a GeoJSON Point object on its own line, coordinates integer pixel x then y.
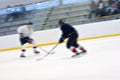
{"type": "Point", "coordinates": [30, 23]}
{"type": "Point", "coordinates": [61, 21]}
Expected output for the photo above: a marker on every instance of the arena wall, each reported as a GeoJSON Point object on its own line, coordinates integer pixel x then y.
{"type": "Point", "coordinates": [51, 36]}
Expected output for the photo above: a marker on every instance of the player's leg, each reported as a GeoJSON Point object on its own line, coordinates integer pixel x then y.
{"type": "Point", "coordinates": [82, 49]}
{"type": "Point", "coordinates": [23, 42]}
{"type": "Point", "coordinates": [75, 43]}
{"type": "Point", "coordinates": [70, 44]}
{"type": "Point", "coordinates": [79, 47]}
{"type": "Point", "coordinates": [31, 41]}
{"type": "Point", "coordinates": [72, 48]}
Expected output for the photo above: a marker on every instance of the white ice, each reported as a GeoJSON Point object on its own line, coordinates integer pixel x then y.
{"type": "Point", "coordinates": [102, 62]}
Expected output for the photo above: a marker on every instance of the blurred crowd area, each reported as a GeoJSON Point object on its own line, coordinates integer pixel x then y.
{"type": "Point", "coordinates": [104, 8]}
{"type": "Point", "coordinates": [45, 15]}
{"type": "Point", "coordinates": [14, 13]}
{"type": "Point", "coordinates": [19, 11]}
{"type": "Point", "coordinates": [98, 8]}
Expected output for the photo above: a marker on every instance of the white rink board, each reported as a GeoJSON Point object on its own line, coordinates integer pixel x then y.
{"type": "Point", "coordinates": [52, 35]}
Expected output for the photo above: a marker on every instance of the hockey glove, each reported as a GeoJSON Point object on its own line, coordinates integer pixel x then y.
{"type": "Point", "coordinates": [21, 35]}
{"type": "Point", "coordinates": [30, 40]}
{"type": "Point", "coordinates": [61, 40]}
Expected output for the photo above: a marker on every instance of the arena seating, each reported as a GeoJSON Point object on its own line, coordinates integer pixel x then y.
{"type": "Point", "coordinates": [74, 14]}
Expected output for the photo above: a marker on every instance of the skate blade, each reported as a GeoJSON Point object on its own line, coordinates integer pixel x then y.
{"type": "Point", "coordinates": [81, 54]}
{"type": "Point", "coordinates": [76, 56]}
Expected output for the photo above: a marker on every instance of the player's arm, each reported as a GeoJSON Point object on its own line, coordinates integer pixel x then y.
{"type": "Point", "coordinates": [19, 30]}
{"type": "Point", "coordinates": [63, 37]}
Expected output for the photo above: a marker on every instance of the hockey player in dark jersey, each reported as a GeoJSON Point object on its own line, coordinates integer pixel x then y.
{"type": "Point", "coordinates": [70, 33]}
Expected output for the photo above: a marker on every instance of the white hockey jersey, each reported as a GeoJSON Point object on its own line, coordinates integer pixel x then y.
{"type": "Point", "coordinates": [25, 31]}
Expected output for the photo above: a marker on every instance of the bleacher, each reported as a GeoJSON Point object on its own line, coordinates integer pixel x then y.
{"type": "Point", "coordinates": [70, 12]}
{"type": "Point", "coordinates": [9, 27]}
{"type": "Point", "coordinates": [74, 14]}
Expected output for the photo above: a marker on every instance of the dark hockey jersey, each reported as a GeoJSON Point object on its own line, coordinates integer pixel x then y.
{"type": "Point", "coordinates": [66, 29]}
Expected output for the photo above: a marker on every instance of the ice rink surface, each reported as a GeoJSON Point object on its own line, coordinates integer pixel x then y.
{"type": "Point", "coordinates": [102, 62]}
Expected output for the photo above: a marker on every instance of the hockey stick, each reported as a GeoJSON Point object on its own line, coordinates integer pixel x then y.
{"type": "Point", "coordinates": [48, 53]}
{"type": "Point", "coordinates": [45, 50]}
{"type": "Point", "coordinates": [53, 48]}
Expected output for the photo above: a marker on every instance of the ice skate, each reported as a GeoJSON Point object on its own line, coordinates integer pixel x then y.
{"type": "Point", "coordinates": [22, 55]}
{"type": "Point", "coordinates": [76, 54]}
{"type": "Point", "coordinates": [83, 52]}
{"type": "Point", "coordinates": [36, 52]}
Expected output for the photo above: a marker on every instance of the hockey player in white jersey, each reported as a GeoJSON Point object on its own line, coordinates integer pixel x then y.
{"type": "Point", "coordinates": [25, 33]}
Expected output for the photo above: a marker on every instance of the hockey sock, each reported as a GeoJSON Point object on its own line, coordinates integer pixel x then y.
{"type": "Point", "coordinates": [81, 48]}
{"type": "Point", "coordinates": [35, 48]}
{"type": "Point", "coordinates": [73, 49]}
{"type": "Point", "coordinates": [23, 51]}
